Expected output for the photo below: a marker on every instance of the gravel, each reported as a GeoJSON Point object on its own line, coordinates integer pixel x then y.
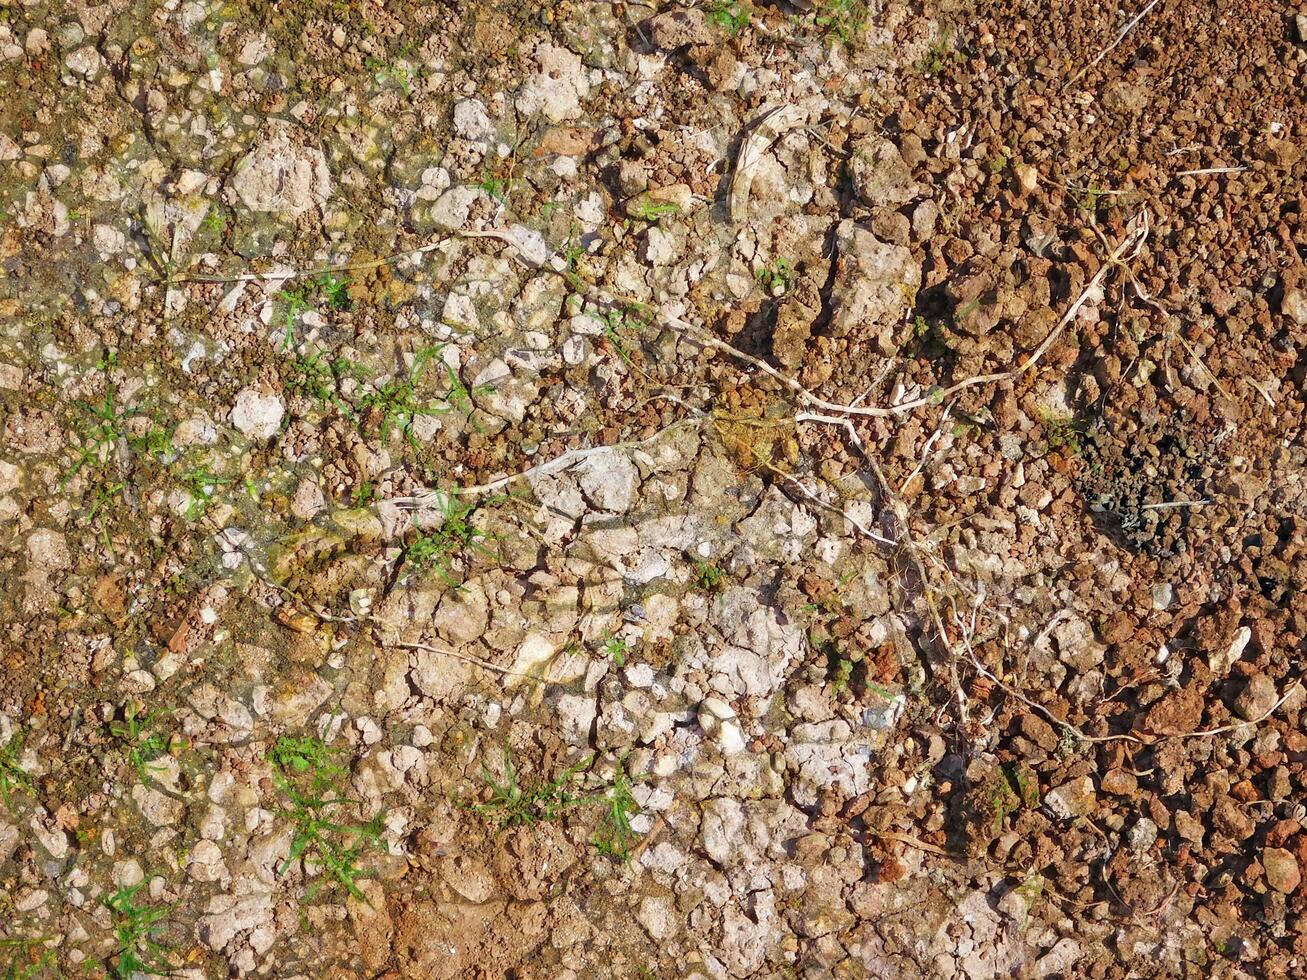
{"type": "Point", "coordinates": [739, 680]}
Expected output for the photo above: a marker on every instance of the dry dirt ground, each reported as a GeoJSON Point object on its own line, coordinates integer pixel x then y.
{"type": "Point", "coordinates": [560, 490]}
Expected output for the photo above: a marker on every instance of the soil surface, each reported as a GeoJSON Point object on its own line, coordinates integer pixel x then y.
{"type": "Point", "coordinates": [577, 489]}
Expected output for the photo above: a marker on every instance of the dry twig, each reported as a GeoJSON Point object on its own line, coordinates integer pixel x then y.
{"type": "Point", "coordinates": [429, 497]}
{"type": "Point", "coordinates": [1107, 50]}
{"type": "Point", "coordinates": [1211, 170]}
{"type": "Point", "coordinates": [466, 658]}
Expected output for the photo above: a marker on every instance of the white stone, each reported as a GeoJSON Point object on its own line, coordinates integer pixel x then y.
{"type": "Point", "coordinates": [228, 915]}
{"type": "Point", "coordinates": [576, 715]}
{"type": "Point", "coordinates": [283, 176]}
{"type": "Point", "coordinates": [463, 614]}
{"type": "Point", "coordinates": [608, 479]}
{"type": "Point", "coordinates": [31, 901]}
{"type": "Point", "coordinates": [54, 840]}
{"type": "Point", "coordinates": [85, 62]}
{"type": "Point", "coordinates": [880, 177]}
{"type": "Point", "coordinates": [206, 862]}
{"type": "Point", "coordinates": [535, 651]}
{"type": "Point", "coordinates": [557, 89]}
{"type": "Point", "coordinates": [1294, 304]}
{"type": "Point", "coordinates": [157, 808]}
{"type": "Point", "coordinates": [406, 758]}
{"type": "Point", "coordinates": [254, 50]}
{"type": "Point", "coordinates": [47, 550]}
{"type": "Point", "coordinates": [738, 671]}
{"type": "Point", "coordinates": [108, 240]}
{"type": "Point", "coordinates": [719, 720]}
{"type": "Point", "coordinates": [730, 738]}
{"type": "Point", "coordinates": [1060, 960]}
{"type": "Point", "coordinates": [308, 500]}
{"type": "Point", "coordinates": [8, 840]}
{"type": "Point", "coordinates": [257, 414]}
{"type": "Point", "coordinates": [720, 828]}
{"type": "Point", "coordinates": [660, 247]}
{"type": "Point", "coordinates": [875, 288]}
{"type": "Point", "coordinates": [1075, 798]}
{"type": "Point", "coordinates": [472, 122]}
{"type": "Point", "coordinates": [657, 913]}
{"type": "Point", "coordinates": [213, 825]}
{"type": "Point", "coordinates": [434, 674]}
{"type": "Point", "coordinates": [452, 207]}
{"type": "Point", "coordinates": [1163, 595]}
{"type": "Point", "coordinates": [127, 873]}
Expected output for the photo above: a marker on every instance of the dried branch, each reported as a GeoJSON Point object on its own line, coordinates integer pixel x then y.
{"type": "Point", "coordinates": [1107, 50]}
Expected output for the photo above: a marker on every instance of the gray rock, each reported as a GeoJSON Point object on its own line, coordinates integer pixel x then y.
{"type": "Point", "coordinates": [159, 809]}
{"type": "Point", "coordinates": [281, 175]}
{"type": "Point", "coordinates": [452, 208]}
{"type": "Point", "coordinates": [874, 289]}
{"type": "Point", "coordinates": [406, 612]}
{"type": "Point", "coordinates": [880, 176]}
{"type": "Point", "coordinates": [720, 827]}
{"type": "Point", "coordinates": [1256, 699]}
{"type": "Point", "coordinates": [608, 480]}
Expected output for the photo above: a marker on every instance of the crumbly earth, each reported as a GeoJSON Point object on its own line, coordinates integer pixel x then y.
{"type": "Point", "coordinates": [574, 489]}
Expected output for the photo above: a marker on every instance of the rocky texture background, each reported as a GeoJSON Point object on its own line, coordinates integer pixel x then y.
{"type": "Point", "coordinates": [838, 465]}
